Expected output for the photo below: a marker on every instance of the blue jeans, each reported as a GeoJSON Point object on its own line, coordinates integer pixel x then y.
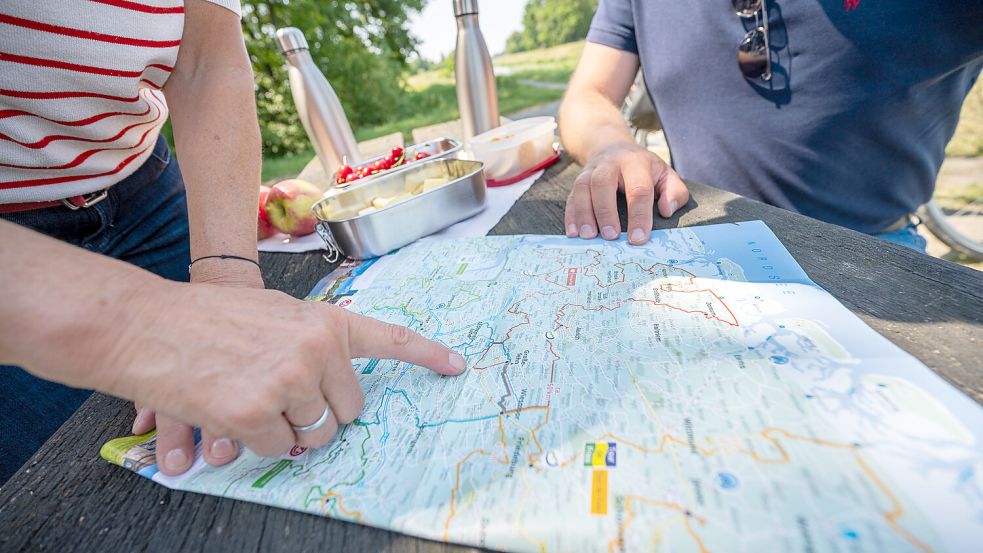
{"type": "Point", "coordinates": [144, 221]}
{"type": "Point", "coordinates": [906, 236]}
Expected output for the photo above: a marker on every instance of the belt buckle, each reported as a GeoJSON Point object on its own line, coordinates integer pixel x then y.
{"type": "Point", "coordinates": [88, 200]}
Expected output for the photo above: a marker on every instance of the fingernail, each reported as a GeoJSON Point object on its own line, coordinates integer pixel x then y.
{"type": "Point", "coordinates": [176, 460]}
{"type": "Point", "coordinates": [140, 421]}
{"type": "Point", "coordinates": [223, 448]}
{"type": "Point", "coordinates": [608, 232]}
{"type": "Point", "coordinates": [587, 231]}
{"type": "Point", "coordinates": [673, 206]}
{"type": "Point", "coordinates": [571, 230]}
{"type": "Point", "coordinates": [637, 236]}
{"type": "Point", "coordinates": [457, 362]}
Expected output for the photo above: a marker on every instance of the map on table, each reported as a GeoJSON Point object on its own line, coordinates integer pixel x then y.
{"type": "Point", "coordinates": [696, 394]}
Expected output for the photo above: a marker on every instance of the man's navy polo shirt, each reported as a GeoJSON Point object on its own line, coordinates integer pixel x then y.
{"type": "Point", "coordinates": [852, 127]}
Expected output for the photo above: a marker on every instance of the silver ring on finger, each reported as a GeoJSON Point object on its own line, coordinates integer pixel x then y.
{"type": "Point", "coordinates": [316, 424]}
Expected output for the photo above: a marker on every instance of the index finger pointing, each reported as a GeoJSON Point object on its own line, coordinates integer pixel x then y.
{"type": "Point", "coordinates": [368, 337]}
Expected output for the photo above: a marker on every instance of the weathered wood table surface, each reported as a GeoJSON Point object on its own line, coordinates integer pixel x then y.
{"type": "Point", "coordinates": [68, 499]}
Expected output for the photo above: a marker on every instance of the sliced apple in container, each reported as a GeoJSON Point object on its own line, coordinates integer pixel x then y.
{"type": "Point", "coordinates": [431, 184]}
{"type": "Point", "coordinates": [384, 202]}
{"type": "Point", "coordinates": [397, 199]}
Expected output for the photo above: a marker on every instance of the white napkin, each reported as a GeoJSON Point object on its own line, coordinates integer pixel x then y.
{"type": "Point", "coordinates": [499, 201]}
{"type": "Point", "coordinates": [291, 244]}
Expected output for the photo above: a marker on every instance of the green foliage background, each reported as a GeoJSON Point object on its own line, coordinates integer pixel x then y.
{"type": "Point", "coordinates": [548, 23]}
{"type": "Point", "coordinates": [360, 45]}
{"type": "Point", "coordinates": [364, 47]}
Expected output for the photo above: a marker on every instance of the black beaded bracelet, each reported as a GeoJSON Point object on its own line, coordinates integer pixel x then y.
{"type": "Point", "coordinates": [221, 257]}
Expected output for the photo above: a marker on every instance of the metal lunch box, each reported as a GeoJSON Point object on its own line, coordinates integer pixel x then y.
{"type": "Point", "coordinates": [391, 227]}
{"type": "Point", "coordinates": [438, 148]}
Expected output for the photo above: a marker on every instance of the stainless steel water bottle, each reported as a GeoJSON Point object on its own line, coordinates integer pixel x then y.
{"type": "Point", "coordinates": [477, 98]}
{"type": "Point", "coordinates": [320, 111]}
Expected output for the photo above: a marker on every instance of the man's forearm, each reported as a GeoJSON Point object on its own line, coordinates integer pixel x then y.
{"type": "Point", "coordinates": [590, 122]}
{"type": "Point", "coordinates": [590, 116]}
{"type": "Point", "coordinates": [64, 306]}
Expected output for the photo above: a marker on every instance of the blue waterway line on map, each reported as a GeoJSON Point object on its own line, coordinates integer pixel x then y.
{"type": "Point", "coordinates": [382, 416]}
{"type": "Point", "coordinates": [385, 429]}
{"type": "Point", "coordinates": [475, 419]}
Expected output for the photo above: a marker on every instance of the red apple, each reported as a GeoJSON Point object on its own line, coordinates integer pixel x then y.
{"type": "Point", "coordinates": [264, 228]}
{"type": "Point", "coordinates": [288, 206]}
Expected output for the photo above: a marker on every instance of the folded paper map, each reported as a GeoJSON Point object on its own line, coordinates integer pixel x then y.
{"type": "Point", "coordinates": [697, 394]}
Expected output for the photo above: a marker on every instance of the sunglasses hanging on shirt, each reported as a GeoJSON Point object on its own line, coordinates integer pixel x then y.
{"type": "Point", "coordinates": [753, 54]}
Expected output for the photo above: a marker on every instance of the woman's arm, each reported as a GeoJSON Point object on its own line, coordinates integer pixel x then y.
{"type": "Point", "coordinates": [216, 134]}
{"type": "Point", "coordinates": [62, 306]}
{"type": "Point", "coordinates": [241, 363]}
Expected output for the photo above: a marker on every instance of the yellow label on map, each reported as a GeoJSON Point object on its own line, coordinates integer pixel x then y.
{"type": "Point", "coordinates": [115, 451]}
{"type": "Point", "coordinates": [600, 452]}
{"type": "Point", "coordinates": [132, 452]}
{"type": "Point", "coordinates": [599, 492]}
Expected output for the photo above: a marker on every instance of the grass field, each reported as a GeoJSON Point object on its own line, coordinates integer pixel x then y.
{"type": "Point", "coordinates": [554, 64]}
{"type": "Point", "coordinates": [438, 103]}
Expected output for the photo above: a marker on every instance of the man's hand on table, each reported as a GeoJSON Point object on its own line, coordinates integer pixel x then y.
{"type": "Point", "coordinates": [175, 440]}
{"type": "Point", "coordinates": [592, 207]}
{"type": "Point", "coordinates": [594, 131]}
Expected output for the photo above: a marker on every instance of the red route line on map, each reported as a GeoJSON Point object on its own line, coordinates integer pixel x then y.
{"type": "Point", "coordinates": [508, 334]}
{"type": "Point", "coordinates": [556, 357]}
{"type": "Point", "coordinates": [508, 389]}
{"type": "Point", "coordinates": [549, 402]}
{"type": "Point", "coordinates": [597, 261]}
{"type": "Point", "coordinates": [667, 288]}
{"type": "Point", "coordinates": [619, 304]}
{"type": "Point", "coordinates": [891, 517]}
{"type": "Point", "coordinates": [712, 293]}
{"type": "Point", "coordinates": [514, 310]}
{"type": "Point", "coordinates": [663, 287]}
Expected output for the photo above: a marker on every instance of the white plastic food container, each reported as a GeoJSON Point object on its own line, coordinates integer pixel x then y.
{"type": "Point", "coordinates": [515, 147]}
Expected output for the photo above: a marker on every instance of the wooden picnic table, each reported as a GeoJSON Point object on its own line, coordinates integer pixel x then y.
{"type": "Point", "coordinates": [66, 498]}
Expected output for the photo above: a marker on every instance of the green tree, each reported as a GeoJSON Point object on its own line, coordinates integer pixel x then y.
{"type": "Point", "coordinates": [548, 23]}
{"type": "Point", "coordinates": [362, 46]}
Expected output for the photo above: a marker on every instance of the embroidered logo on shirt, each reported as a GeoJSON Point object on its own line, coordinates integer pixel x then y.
{"type": "Point", "coordinates": [851, 5]}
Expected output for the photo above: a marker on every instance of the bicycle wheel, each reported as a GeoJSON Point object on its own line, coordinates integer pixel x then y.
{"type": "Point", "coordinates": [945, 226]}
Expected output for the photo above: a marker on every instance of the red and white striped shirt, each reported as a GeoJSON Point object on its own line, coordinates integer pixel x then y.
{"type": "Point", "coordinates": [80, 99]}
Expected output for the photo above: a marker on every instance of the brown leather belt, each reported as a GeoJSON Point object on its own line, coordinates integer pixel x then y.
{"type": "Point", "coordinates": [74, 203]}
